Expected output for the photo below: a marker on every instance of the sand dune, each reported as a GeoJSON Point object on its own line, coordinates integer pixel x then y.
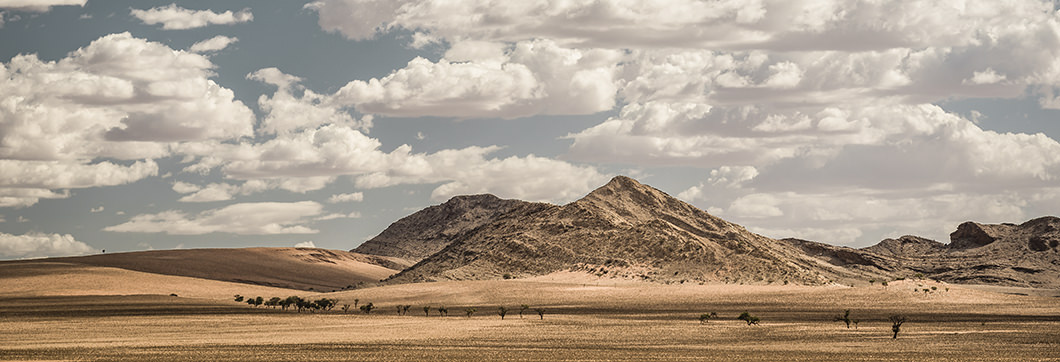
{"type": "Point", "coordinates": [291, 268]}
{"type": "Point", "coordinates": [50, 279]}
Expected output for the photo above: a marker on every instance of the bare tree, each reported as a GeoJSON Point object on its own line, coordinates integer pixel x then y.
{"type": "Point", "coordinates": [896, 324]}
{"type": "Point", "coordinates": [469, 312]}
{"type": "Point", "coordinates": [845, 318]}
{"type": "Point", "coordinates": [345, 308]}
{"type": "Point", "coordinates": [540, 312]}
{"type": "Point", "coordinates": [427, 311]}
{"type": "Point", "coordinates": [502, 311]}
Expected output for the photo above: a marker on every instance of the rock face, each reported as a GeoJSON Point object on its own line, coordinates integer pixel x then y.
{"type": "Point", "coordinates": [427, 231]}
{"type": "Point", "coordinates": [906, 246]}
{"type": "Point", "coordinates": [1025, 255]}
{"type": "Point", "coordinates": [623, 229]}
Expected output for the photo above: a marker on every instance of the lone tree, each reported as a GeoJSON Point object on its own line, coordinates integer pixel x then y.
{"type": "Point", "coordinates": [367, 308]}
{"type": "Point", "coordinates": [443, 311]}
{"type": "Point", "coordinates": [426, 311]}
{"type": "Point", "coordinates": [469, 312]}
{"type": "Point", "coordinates": [747, 317]}
{"type": "Point", "coordinates": [845, 318]}
{"type": "Point", "coordinates": [502, 311]}
{"type": "Point", "coordinates": [355, 301]}
{"type": "Point", "coordinates": [540, 312]}
{"type": "Point", "coordinates": [523, 308]}
{"type": "Point", "coordinates": [896, 324]}
{"type": "Point", "coordinates": [405, 309]}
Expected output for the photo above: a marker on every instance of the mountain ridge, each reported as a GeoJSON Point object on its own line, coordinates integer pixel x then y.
{"type": "Point", "coordinates": [631, 230]}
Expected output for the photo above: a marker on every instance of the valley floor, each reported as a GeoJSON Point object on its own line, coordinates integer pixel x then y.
{"type": "Point", "coordinates": [585, 320]}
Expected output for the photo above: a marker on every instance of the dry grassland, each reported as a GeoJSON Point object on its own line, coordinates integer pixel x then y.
{"type": "Point", "coordinates": [587, 319]}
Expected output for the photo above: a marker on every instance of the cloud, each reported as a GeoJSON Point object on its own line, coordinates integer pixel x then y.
{"type": "Point", "coordinates": [350, 197]}
{"type": "Point", "coordinates": [39, 6]}
{"type": "Point", "coordinates": [73, 123]}
{"type": "Point", "coordinates": [261, 218]}
{"type": "Point", "coordinates": [335, 216]}
{"type": "Point", "coordinates": [214, 44]}
{"type": "Point", "coordinates": [488, 80]}
{"type": "Point", "coordinates": [305, 244]}
{"type": "Point", "coordinates": [218, 191]}
{"type": "Point", "coordinates": [35, 245]}
{"type": "Point", "coordinates": [173, 17]}
{"type": "Point", "coordinates": [848, 25]}
{"type": "Point", "coordinates": [96, 209]}
{"type": "Point", "coordinates": [285, 112]}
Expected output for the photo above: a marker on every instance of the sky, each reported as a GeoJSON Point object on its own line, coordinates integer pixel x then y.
{"type": "Point", "coordinates": [139, 125]}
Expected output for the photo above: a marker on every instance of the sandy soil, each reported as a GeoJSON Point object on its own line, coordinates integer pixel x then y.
{"type": "Point", "coordinates": [586, 319]}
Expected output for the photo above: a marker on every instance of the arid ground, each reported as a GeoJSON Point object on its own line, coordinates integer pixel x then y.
{"type": "Point", "coordinates": [58, 312]}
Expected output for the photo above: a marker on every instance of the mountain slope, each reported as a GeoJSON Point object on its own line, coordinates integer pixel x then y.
{"type": "Point", "coordinates": [292, 268]}
{"type": "Point", "coordinates": [427, 231]}
{"type": "Point", "coordinates": [1025, 255]}
{"type": "Point", "coordinates": [1005, 254]}
{"type": "Point", "coordinates": [623, 229]}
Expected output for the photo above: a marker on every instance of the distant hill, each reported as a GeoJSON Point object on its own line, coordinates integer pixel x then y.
{"type": "Point", "coordinates": [624, 229]}
{"type": "Point", "coordinates": [428, 231]}
{"type": "Point", "coordinates": [1025, 255]}
{"type": "Point", "coordinates": [291, 268]}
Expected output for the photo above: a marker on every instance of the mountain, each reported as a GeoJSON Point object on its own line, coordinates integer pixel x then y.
{"type": "Point", "coordinates": [291, 268]}
{"type": "Point", "coordinates": [1025, 255]}
{"type": "Point", "coordinates": [1005, 254]}
{"type": "Point", "coordinates": [623, 229]}
{"type": "Point", "coordinates": [428, 231]}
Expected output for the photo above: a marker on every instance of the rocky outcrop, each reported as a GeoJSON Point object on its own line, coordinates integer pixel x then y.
{"type": "Point", "coordinates": [428, 231]}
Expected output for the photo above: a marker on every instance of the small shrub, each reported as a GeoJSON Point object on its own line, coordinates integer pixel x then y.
{"type": "Point", "coordinates": [469, 312]}
{"type": "Point", "coordinates": [367, 308]}
{"type": "Point", "coordinates": [872, 281]}
{"type": "Point", "coordinates": [883, 283]}
{"type": "Point", "coordinates": [523, 308]}
{"type": "Point", "coordinates": [507, 276]}
{"type": "Point", "coordinates": [747, 317]}
{"type": "Point", "coordinates": [703, 318]}
{"type": "Point", "coordinates": [239, 298]}
{"type": "Point", "coordinates": [172, 294]}
{"type": "Point", "coordinates": [919, 275]}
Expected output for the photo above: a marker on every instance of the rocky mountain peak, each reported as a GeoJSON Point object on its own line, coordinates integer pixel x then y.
{"type": "Point", "coordinates": [428, 231]}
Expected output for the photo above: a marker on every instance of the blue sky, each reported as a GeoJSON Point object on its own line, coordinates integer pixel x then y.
{"type": "Point", "coordinates": [134, 125]}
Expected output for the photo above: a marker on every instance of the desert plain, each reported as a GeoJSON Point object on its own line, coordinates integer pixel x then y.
{"type": "Point", "coordinates": [58, 311]}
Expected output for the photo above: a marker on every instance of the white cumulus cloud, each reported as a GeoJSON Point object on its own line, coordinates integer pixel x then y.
{"type": "Point", "coordinates": [259, 218]}
{"type": "Point", "coordinates": [36, 245]}
{"type": "Point", "coordinates": [214, 44]}
{"type": "Point", "coordinates": [72, 123]}
{"type": "Point", "coordinates": [173, 17]}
